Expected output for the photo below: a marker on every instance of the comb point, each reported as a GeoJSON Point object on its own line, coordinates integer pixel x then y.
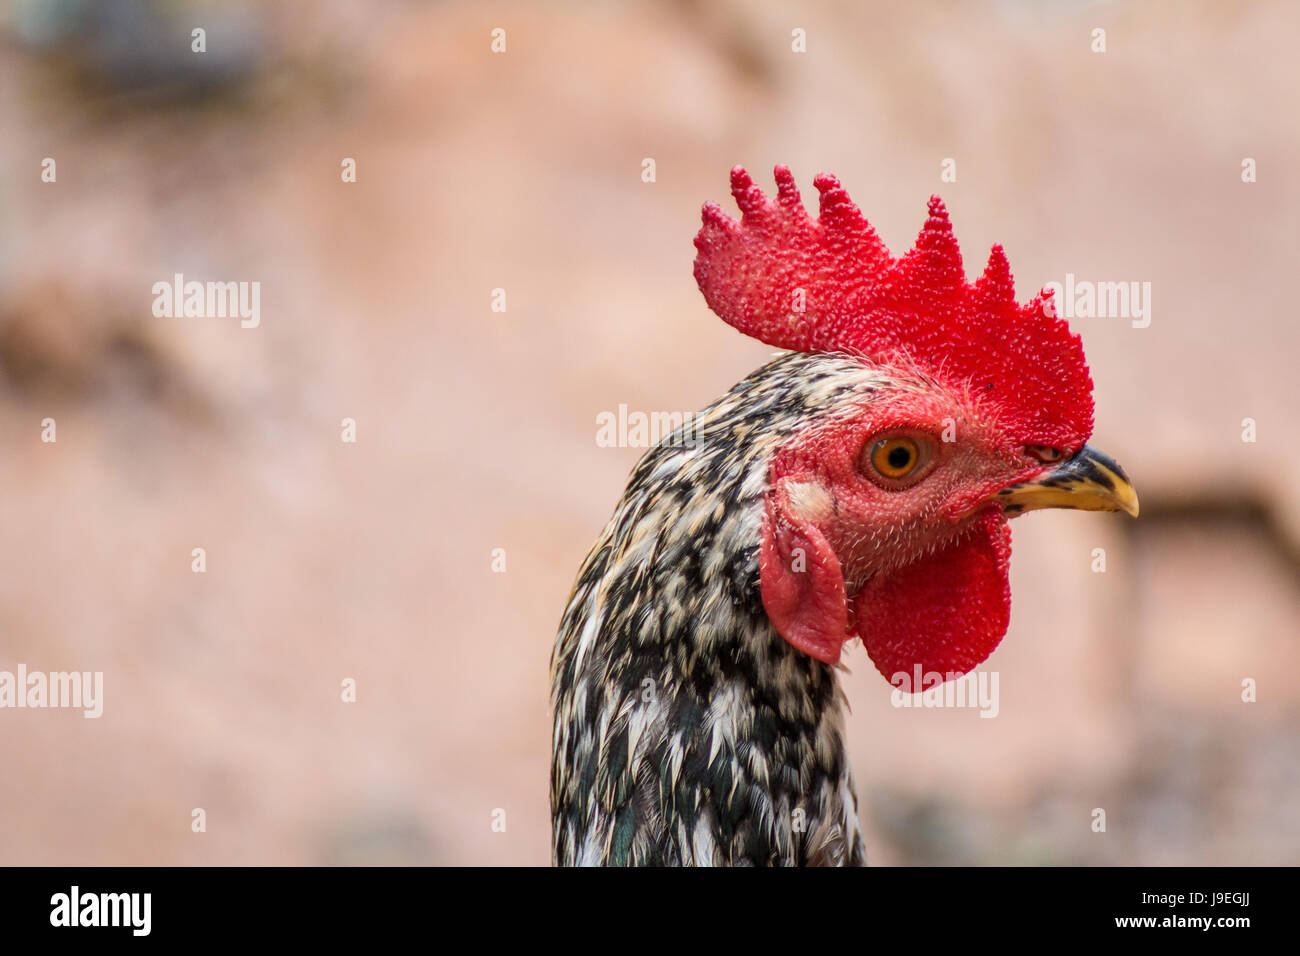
{"type": "Point", "coordinates": [835, 207]}
{"type": "Point", "coordinates": [787, 193]}
{"type": "Point", "coordinates": [748, 196]}
{"type": "Point", "coordinates": [935, 253]}
{"type": "Point", "coordinates": [937, 220]}
{"type": "Point", "coordinates": [996, 288]}
{"type": "Point", "coordinates": [713, 215]}
{"type": "Point", "coordinates": [825, 182]}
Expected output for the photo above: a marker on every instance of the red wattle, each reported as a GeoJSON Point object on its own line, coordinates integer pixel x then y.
{"type": "Point", "coordinates": [945, 613]}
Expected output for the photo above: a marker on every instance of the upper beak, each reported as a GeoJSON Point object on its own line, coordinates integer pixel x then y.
{"type": "Point", "coordinates": [1090, 481]}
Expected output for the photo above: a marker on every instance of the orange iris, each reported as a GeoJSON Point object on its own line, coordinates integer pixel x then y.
{"type": "Point", "coordinates": [895, 457]}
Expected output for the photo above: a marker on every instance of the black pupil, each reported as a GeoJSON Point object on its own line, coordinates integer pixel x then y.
{"type": "Point", "coordinates": [899, 457]}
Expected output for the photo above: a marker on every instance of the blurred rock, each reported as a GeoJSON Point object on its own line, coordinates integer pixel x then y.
{"type": "Point", "coordinates": [141, 45]}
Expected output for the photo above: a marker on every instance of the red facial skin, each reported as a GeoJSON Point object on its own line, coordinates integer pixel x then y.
{"type": "Point", "coordinates": [918, 568]}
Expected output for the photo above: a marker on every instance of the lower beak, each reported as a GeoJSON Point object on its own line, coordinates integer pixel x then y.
{"type": "Point", "coordinates": [1090, 481]}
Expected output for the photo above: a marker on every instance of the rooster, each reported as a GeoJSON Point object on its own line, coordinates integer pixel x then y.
{"type": "Point", "coordinates": [857, 486]}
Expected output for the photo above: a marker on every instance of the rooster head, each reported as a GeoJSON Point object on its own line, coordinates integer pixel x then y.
{"type": "Point", "coordinates": [888, 518]}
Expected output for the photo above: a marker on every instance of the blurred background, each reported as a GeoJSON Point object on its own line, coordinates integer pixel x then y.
{"type": "Point", "coordinates": [522, 171]}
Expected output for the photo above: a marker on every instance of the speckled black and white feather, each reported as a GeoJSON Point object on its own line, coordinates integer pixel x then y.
{"type": "Point", "coordinates": [687, 730]}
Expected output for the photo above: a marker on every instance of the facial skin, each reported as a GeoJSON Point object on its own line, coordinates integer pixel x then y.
{"type": "Point", "coordinates": [875, 522]}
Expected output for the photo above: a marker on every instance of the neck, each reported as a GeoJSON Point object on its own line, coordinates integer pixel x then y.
{"type": "Point", "coordinates": [686, 729]}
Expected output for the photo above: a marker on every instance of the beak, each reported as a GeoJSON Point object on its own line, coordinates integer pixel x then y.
{"type": "Point", "coordinates": [1090, 481]}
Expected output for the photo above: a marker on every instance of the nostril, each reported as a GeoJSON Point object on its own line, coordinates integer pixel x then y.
{"type": "Point", "coordinates": [1044, 452]}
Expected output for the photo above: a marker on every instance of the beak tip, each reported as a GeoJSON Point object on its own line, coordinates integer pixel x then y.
{"type": "Point", "coordinates": [1089, 481]}
{"type": "Point", "coordinates": [1126, 499]}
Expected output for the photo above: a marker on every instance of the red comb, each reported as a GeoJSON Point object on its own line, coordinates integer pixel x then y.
{"type": "Point", "coordinates": [857, 298]}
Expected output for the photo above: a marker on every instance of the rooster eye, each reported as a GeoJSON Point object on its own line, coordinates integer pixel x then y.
{"type": "Point", "coordinates": [895, 458]}
{"type": "Point", "coordinates": [1043, 452]}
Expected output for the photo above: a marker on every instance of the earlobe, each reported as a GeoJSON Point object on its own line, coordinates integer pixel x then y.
{"type": "Point", "coordinates": [801, 580]}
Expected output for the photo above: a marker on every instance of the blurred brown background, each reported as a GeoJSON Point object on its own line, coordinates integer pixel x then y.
{"type": "Point", "coordinates": [476, 429]}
